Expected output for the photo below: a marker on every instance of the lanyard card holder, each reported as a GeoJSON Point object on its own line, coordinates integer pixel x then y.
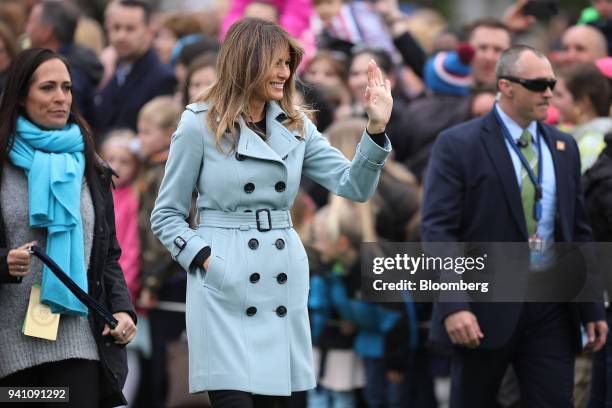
{"type": "Point", "coordinates": [40, 321]}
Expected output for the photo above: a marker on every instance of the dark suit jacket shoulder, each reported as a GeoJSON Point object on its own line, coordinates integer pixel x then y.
{"type": "Point", "coordinates": [118, 106]}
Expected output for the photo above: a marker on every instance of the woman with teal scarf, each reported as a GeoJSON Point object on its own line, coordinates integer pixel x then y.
{"type": "Point", "coordinates": [55, 193]}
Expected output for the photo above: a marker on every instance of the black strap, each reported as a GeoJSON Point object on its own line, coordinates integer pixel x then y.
{"type": "Point", "coordinates": [74, 288]}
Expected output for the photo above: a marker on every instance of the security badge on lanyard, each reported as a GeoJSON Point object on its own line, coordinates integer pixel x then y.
{"type": "Point", "coordinates": [536, 242]}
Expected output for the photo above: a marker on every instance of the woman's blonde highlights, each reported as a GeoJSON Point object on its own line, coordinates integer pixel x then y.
{"type": "Point", "coordinates": [246, 56]}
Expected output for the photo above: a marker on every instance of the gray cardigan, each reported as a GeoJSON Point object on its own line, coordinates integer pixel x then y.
{"type": "Point", "coordinates": [75, 338]}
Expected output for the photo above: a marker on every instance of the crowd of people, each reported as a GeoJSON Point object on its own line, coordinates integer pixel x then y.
{"type": "Point", "coordinates": [134, 95]}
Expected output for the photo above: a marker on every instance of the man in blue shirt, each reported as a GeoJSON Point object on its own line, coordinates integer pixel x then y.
{"type": "Point", "coordinates": [477, 189]}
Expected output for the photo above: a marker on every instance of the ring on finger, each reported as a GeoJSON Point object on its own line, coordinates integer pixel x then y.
{"type": "Point", "coordinates": [22, 268]}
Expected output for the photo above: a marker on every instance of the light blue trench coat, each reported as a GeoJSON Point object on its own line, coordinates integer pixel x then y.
{"type": "Point", "coordinates": [247, 321]}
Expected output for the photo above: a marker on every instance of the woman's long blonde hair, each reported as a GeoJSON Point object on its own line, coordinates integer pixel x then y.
{"type": "Point", "coordinates": [250, 49]}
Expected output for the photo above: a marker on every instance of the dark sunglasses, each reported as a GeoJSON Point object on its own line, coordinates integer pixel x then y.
{"type": "Point", "coordinates": [534, 85]}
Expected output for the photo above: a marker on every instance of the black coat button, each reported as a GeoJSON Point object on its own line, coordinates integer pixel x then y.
{"type": "Point", "coordinates": [249, 188]}
{"type": "Point", "coordinates": [280, 244]}
{"type": "Point", "coordinates": [251, 311]}
{"type": "Point", "coordinates": [253, 243]}
{"type": "Point", "coordinates": [254, 278]}
{"type": "Point", "coordinates": [281, 278]}
{"type": "Point", "coordinates": [239, 157]}
{"type": "Point", "coordinates": [281, 311]}
{"type": "Point", "coordinates": [280, 186]}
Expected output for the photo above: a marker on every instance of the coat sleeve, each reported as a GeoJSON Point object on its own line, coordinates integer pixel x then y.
{"type": "Point", "coordinates": [355, 180]}
{"type": "Point", "coordinates": [168, 219]}
{"type": "Point", "coordinates": [444, 193]}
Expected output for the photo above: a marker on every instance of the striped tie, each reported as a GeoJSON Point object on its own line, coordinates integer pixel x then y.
{"type": "Point", "coordinates": [527, 187]}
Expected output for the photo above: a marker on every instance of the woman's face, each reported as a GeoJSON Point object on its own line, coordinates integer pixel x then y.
{"type": "Point", "coordinates": [123, 162]}
{"type": "Point", "coordinates": [273, 86]}
{"type": "Point", "coordinates": [200, 79]}
{"type": "Point", "coordinates": [164, 44]}
{"type": "Point", "coordinates": [321, 72]}
{"type": "Point", "coordinates": [358, 76]}
{"type": "Point", "coordinates": [564, 101]}
{"type": "Point", "coordinates": [50, 95]}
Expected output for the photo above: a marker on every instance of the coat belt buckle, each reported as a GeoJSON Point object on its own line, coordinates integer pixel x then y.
{"type": "Point", "coordinates": [259, 227]}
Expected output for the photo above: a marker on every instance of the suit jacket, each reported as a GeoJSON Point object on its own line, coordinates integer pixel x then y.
{"type": "Point", "coordinates": [472, 195]}
{"type": "Point", "coordinates": [118, 106]}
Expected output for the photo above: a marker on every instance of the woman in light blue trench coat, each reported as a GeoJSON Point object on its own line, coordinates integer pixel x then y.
{"type": "Point", "coordinates": [244, 146]}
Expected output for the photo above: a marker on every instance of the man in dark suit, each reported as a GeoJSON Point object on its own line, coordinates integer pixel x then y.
{"type": "Point", "coordinates": [139, 76]}
{"type": "Point", "coordinates": [477, 189]}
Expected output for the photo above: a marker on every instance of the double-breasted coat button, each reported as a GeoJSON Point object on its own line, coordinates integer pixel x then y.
{"type": "Point", "coordinates": [253, 243]}
{"type": "Point", "coordinates": [280, 186]}
{"type": "Point", "coordinates": [249, 188]}
{"type": "Point", "coordinates": [281, 311]}
{"type": "Point", "coordinates": [254, 278]}
{"type": "Point", "coordinates": [281, 278]}
{"type": "Point", "coordinates": [280, 244]}
{"type": "Point", "coordinates": [239, 157]}
{"type": "Point", "coordinates": [251, 311]}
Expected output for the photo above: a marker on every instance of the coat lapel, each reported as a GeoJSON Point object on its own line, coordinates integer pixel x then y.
{"type": "Point", "coordinates": [495, 144]}
{"type": "Point", "coordinates": [252, 145]}
{"type": "Point", "coordinates": [280, 140]}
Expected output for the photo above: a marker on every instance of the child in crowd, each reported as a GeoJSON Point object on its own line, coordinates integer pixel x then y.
{"type": "Point", "coordinates": [162, 278]}
{"type": "Point", "coordinates": [201, 73]}
{"type": "Point", "coordinates": [120, 152]}
{"type": "Point", "coordinates": [337, 236]}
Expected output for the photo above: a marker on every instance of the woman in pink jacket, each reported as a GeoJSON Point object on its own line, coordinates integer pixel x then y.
{"type": "Point", "coordinates": [293, 15]}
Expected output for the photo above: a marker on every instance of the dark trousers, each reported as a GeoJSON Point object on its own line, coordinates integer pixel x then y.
{"type": "Point", "coordinates": [80, 376]}
{"type": "Point", "coordinates": [541, 353]}
{"type": "Point", "coordinates": [241, 399]}
{"type": "Point", "coordinates": [166, 326]}
{"type": "Point", "coordinates": [601, 386]}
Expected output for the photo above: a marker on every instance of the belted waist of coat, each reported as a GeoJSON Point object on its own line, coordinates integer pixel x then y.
{"type": "Point", "coordinates": [261, 220]}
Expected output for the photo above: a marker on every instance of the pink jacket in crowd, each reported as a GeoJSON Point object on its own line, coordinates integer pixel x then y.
{"type": "Point", "coordinates": [126, 225]}
{"type": "Point", "coordinates": [294, 15]}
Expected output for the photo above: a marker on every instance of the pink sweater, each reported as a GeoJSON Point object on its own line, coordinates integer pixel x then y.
{"type": "Point", "coordinates": [126, 225]}
{"type": "Point", "coordinates": [294, 15]}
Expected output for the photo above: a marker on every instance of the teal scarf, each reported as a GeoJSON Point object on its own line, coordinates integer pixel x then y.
{"type": "Point", "coordinates": [54, 162]}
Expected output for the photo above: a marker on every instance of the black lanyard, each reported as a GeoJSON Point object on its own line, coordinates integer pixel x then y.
{"type": "Point", "coordinates": [80, 294]}
{"type": "Point", "coordinates": [537, 181]}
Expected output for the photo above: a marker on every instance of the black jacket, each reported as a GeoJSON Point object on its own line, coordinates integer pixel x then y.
{"type": "Point", "coordinates": [118, 106]}
{"type": "Point", "coordinates": [86, 72]}
{"type": "Point", "coordinates": [597, 185]}
{"type": "Point", "coordinates": [106, 284]}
